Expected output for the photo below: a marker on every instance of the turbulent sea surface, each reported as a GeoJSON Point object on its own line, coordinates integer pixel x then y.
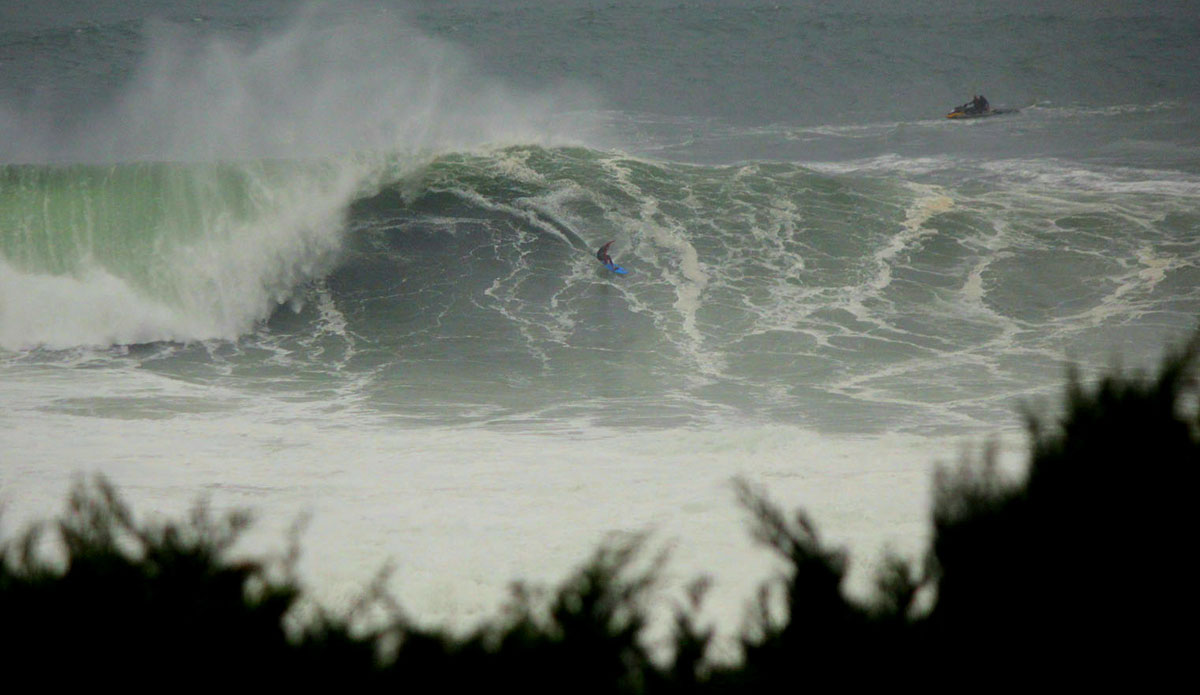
{"type": "Point", "coordinates": [340, 260]}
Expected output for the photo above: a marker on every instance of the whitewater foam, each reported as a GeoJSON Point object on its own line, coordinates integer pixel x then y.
{"type": "Point", "coordinates": [93, 308]}
{"type": "Point", "coordinates": [457, 526]}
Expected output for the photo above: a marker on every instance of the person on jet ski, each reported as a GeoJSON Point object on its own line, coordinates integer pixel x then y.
{"type": "Point", "coordinates": [980, 104]}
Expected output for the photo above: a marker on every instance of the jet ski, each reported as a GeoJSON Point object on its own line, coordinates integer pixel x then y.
{"type": "Point", "coordinates": [969, 110]}
{"type": "Point", "coordinates": [960, 113]}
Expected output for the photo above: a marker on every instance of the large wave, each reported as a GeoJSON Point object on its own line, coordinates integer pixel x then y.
{"type": "Point", "coordinates": [215, 179]}
{"type": "Point", "coordinates": [849, 296]}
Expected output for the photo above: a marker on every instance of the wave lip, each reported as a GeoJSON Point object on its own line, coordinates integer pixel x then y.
{"type": "Point", "coordinates": [103, 255]}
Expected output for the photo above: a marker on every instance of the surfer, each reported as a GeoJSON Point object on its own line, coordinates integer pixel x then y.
{"type": "Point", "coordinates": [603, 257]}
{"type": "Point", "coordinates": [602, 254]}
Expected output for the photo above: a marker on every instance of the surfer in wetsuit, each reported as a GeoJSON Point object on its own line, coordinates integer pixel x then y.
{"type": "Point", "coordinates": [602, 254]}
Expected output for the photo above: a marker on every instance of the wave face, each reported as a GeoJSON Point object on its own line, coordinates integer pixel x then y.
{"type": "Point", "coordinates": [845, 300]}
{"type": "Point", "coordinates": [465, 290]}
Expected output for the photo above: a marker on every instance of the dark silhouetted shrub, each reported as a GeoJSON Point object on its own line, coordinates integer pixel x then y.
{"type": "Point", "coordinates": [1077, 572]}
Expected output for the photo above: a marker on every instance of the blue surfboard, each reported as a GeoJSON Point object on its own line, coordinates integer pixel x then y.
{"type": "Point", "coordinates": [616, 268]}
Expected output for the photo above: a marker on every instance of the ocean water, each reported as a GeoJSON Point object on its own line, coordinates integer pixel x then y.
{"type": "Point", "coordinates": [337, 260]}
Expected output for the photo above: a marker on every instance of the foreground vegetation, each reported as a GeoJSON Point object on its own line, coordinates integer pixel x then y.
{"type": "Point", "coordinates": [1078, 571]}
